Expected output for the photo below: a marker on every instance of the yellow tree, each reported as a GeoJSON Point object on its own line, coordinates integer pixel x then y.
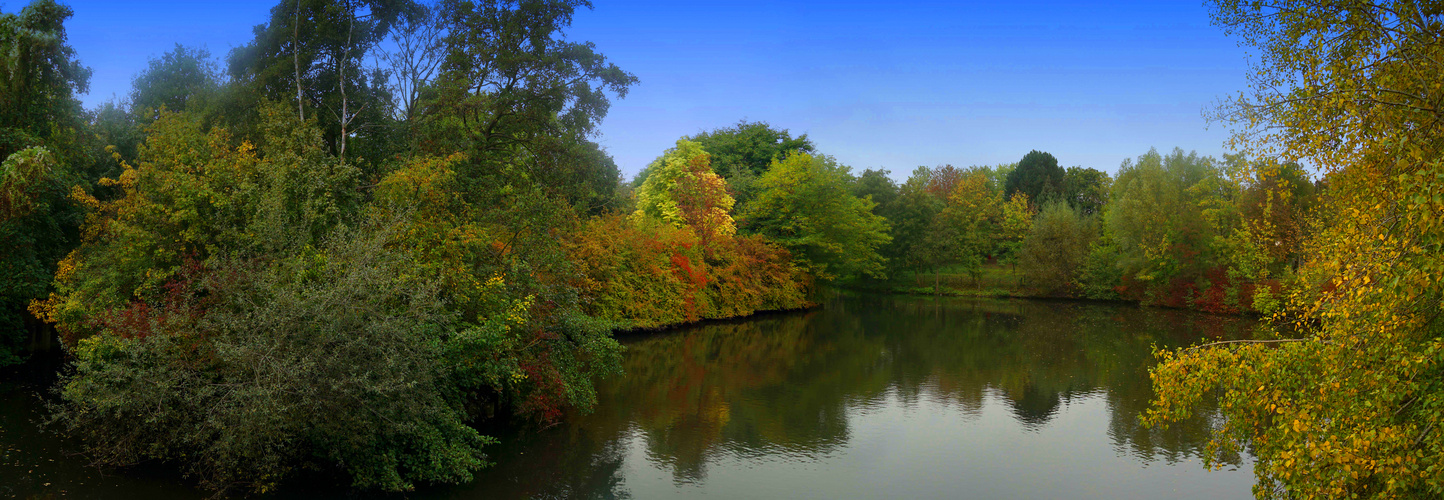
{"type": "Point", "coordinates": [683, 190]}
{"type": "Point", "coordinates": [974, 210]}
{"type": "Point", "coordinates": [1346, 397]}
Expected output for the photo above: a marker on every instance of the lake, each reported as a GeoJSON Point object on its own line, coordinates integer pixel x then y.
{"type": "Point", "coordinates": [870, 396]}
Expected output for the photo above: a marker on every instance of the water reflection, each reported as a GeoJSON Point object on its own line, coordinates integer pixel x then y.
{"type": "Point", "coordinates": [950, 393]}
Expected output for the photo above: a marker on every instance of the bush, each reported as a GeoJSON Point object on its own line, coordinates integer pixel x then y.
{"type": "Point", "coordinates": [248, 371]}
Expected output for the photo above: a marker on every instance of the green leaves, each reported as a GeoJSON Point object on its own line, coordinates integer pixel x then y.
{"type": "Point", "coordinates": [806, 205]}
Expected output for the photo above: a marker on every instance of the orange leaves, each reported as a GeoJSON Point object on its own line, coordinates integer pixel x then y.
{"type": "Point", "coordinates": [650, 274]}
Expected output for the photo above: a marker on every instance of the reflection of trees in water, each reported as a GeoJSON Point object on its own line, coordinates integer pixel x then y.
{"type": "Point", "coordinates": [787, 384]}
{"type": "Point", "coordinates": [730, 388]}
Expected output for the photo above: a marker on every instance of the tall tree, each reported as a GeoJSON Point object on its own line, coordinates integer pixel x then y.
{"type": "Point", "coordinates": [1086, 189]}
{"type": "Point", "coordinates": [39, 76]}
{"type": "Point", "coordinates": [974, 211]}
{"type": "Point", "coordinates": [1343, 397]}
{"type": "Point", "coordinates": [878, 186]}
{"type": "Point", "coordinates": [913, 219]}
{"type": "Point", "coordinates": [516, 97]}
{"type": "Point", "coordinates": [743, 152]}
{"type": "Point", "coordinates": [1037, 175]}
{"type": "Point", "coordinates": [311, 53]}
{"type": "Point", "coordinates": [180, 80]}
{"type": "Point", "coordinates": [43, 135]}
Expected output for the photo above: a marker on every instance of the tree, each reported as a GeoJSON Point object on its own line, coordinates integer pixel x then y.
{"type": "Point", "coordinates": [743, 152]}
{"type": "Point", "coordinates": [248, 370]}
{"type": "Point", "coordinates": [918, 238]}
{"type": "Point", "coordinates": [41, 76]}
{"type": "Point", "coordinates": [1086, 189]}
{"type": "Point", "coordinates": [1014, 220]}
{"type": "Point", "coordinates": [876, 185]}
{"type": "Point", "coordinates": [685, 192]}
{"type": "Point", "coordinates": [420, 48]}
{"type": "Point", "coordinates": [1343, 394]}
{"type": "Point", "coordinates": [1156, 216]}
{"type": "Point", "coordinates": [182, 79]}
{"type": "Point", "coordinates": [974, 213]}
{"type": "Point", "coordinates": [43, 134]}
{"type": "Point", "coordinates": [751, 146]}
{"type": "Point", "coordinates": [805, 206]}
{"type": "Point", "coordinates": [1037, 175]}
{"type": "Point", "coordinates": [1057, 246]}
{"type": "Point", "coordinates": [311, 53]}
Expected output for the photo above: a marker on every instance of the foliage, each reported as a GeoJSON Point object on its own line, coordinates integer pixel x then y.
{"type": "Point", "coordinates": [310, 53]}
{"type": "Point", "coordinates": [523, 344]}
{"type": "Point", "coordinates": [1348, 398]}
{"type": "Point", "coordinates": [806, 207]}
{"type": "Point", "coordinates": [1057, 246]}
{"type": "Point", "coordinates": [1086, 189]}
{"type": "Point", "coordinates": [918, 237]}
{"type": "Point", "coordinates": [1158, 220]}
{"type": "Point", "coordinates": [1015, 219]}
{"type": "Point", "coordinates": [1037, 175]}
{"type": "Point", "coordinates": [180, 80]}
{"type": "Point", "coordinates": [195, 194]}
{"type": "Point", "coordinates": [878, 186]}
{"type": "Point", "coordinates": [37, 222]}
{"type": "Point", "coordinates": [973, 214]}
{"type": "Point", "coordinates": [39, 75]}
{"type": "Point", "coordinates": [743, 152]}
{"type": "Point", "coordinates": [648, 274]}
{"type": "Point", "coordinates": [519, 100]}
{"type": "Point", "coordinates": [683, 191]}
{"type": "Point", "coordinates": [246, 371]}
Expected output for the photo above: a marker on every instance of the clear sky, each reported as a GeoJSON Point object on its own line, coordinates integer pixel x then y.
{"type": "Point", "coordinates": [876, 84]}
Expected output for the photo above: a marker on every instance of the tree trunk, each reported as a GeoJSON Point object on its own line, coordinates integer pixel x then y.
{"type": "Point", "coordinates": [296, 59]}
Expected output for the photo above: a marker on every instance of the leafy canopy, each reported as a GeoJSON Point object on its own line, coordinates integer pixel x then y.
{"type": "Point", "coordinates": [1344, 395]}
{"type": "Point", "coordinates": [806, 206]}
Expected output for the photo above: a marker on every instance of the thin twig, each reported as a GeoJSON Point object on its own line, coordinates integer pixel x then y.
{"type": "Point", "coordinates": [1276, 341]}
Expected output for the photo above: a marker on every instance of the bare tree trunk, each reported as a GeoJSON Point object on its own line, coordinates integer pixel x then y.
{"type": "Point", "coordinates": [341, 70]}
{"type": "Point", "coordinates": [296, 59]}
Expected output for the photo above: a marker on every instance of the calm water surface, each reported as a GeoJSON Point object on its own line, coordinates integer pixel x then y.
{"type": "Point", "coordinates": [869, 397]}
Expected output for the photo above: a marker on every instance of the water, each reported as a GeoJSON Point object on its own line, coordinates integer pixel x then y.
{"type": "Point", "coordinates": [869, 397]}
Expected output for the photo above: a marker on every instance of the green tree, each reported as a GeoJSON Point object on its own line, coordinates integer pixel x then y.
{"type": "Point", "coordinates": [1086, 189]}
{"type": "Point", "coordinates": [1342, 395]}
{"type": "Point", "coordinates": [1037, 175]}
{"type": "Point", "coordinates": [1057, 247]}
{"type": "Point", "coordinates": [520, 100]}
{"type": "Point", "coordinates": [251, 370]}
{"type": "Point", "coordinates": [743, 152]}
{"type": "Point", "coordinates": [43, 134]}
{"type": "Point", "coordinates": [878, 186]}
{"type": "Point", "coordinates": [40, 79]}
{"type": "Point", "coordinates": [183, 79]}
{"type": "Point", "coordinates": [805, 205]}
{"type": "Point", "coordinates": [918, 238]}
{"type": "Point", "coordinates": [1158, 215]}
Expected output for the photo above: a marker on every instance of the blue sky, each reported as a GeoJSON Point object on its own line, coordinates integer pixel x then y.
{"type": "Point", "coordinates": [875, 84]}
